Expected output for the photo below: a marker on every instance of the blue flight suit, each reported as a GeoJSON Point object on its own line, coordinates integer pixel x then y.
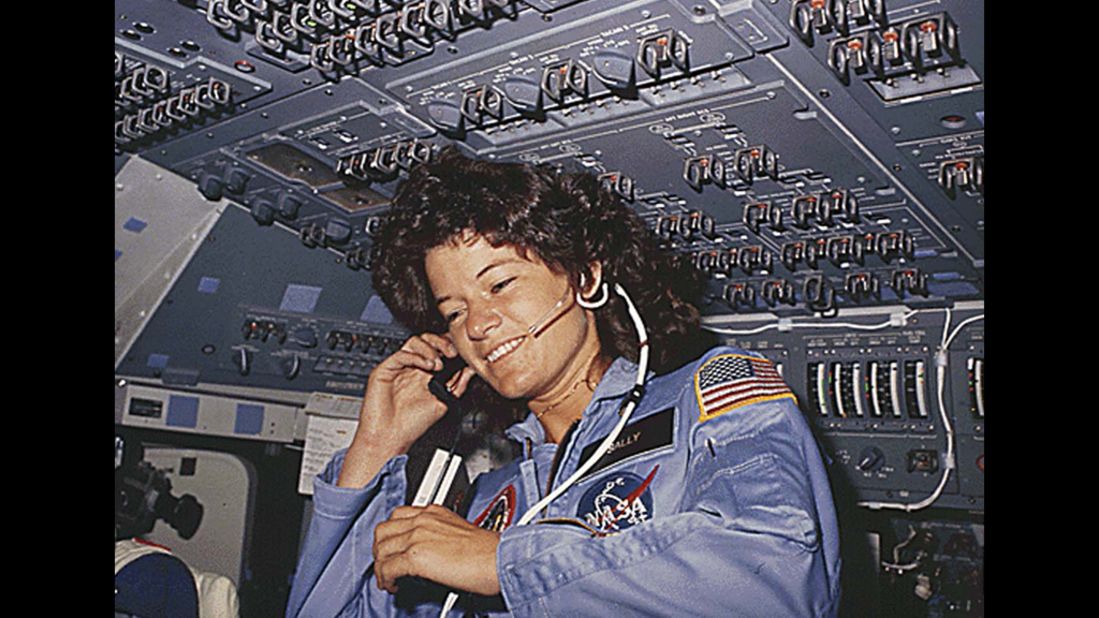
{"type": "Point", "coordinates": [713, 501]}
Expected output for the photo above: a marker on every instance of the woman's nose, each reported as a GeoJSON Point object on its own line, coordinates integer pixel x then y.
{"type": "Point", "coordinates": [482, 319]}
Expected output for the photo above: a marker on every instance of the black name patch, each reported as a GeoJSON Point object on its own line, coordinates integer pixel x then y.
{"type": "Point", "coordinates": [648, 434]}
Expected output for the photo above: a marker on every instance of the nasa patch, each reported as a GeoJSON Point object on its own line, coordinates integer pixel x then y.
{"type": "Point", "coordinates": [617, 501]}
{"type": "Point", "coordinates": [497, 515]}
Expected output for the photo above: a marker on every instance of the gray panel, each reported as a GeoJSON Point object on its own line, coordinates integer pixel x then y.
{"type": "Point", "coordinates": [159, 224]}
{"type": "Point", "coordinates": [245, 274]}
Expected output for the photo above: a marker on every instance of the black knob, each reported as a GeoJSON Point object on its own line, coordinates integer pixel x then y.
{"type": "Point", "coordinates": [337, 231]}
{"type": "Point", "coordinates": [236, 181]}
{"type": "Point", "coordinates": [263, 212]}
{"type": "Point", "coordinates": [289, 206]}
{"type": "Point", "coordinates": [871, 459]}
{"type": "Point", "coordinates": [211, 187]}
{"type": "Point", "coordinates": [445, 115]}
{"type": "Point", "coordinates": [614, 68]}
{"type": "Point", "coordinates": [524, 94]}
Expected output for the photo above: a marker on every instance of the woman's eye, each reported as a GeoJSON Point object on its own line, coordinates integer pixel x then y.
{"type": "Point", "coordinates": [501, 285]}
{"type": "Point", "coordinates": [452, 316]}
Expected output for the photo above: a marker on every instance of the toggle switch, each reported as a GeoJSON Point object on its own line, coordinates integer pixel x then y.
{"type": "Point", "coordinates": [792, 253]}
{"type": "Point", "coordinates": [562, 78]}
{"type": "Point", "coordinates": [778, 291]}
{"type": "Point", "coordinates": [756, 214]}
{"type": "Point", "coordinates": [803, 209]}
{"type": "Point", "coordinates": [862, 286]}
{"type": "Point", "coordinates": [666, 48]}
{"type": "Point", "coordinates": [696, 171]}
{"type": "Point", "coordinates": [619, 184]}
{"type": "Point", "coordinates": [910, 280]}
{"type": "Point", "coordinates": [738, 294]}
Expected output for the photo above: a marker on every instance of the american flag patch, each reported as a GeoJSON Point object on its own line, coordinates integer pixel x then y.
{"type": "Point", "coordinates": [729, 381]}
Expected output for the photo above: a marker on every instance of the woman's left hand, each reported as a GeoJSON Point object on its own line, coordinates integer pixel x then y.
{"type": "Point", "coordinates": [434, 543]}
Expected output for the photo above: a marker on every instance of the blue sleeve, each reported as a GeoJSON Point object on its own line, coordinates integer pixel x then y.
{"type": "Point", "coordinates": [331, 576]}
{"type": "Point", "coordinates": [745, 540]}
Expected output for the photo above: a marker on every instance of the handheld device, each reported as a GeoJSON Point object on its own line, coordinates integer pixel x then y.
{"type": "Point", "coordinates": [437, 385]}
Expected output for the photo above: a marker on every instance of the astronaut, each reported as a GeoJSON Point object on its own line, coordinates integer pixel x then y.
{"type": "Point", "coordinates": [710, 500]}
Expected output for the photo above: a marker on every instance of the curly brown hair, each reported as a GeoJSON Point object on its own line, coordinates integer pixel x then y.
{"type": "Point", "coordinates": [567, 220]}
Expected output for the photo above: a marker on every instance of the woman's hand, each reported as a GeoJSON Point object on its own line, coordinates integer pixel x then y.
{"type": "Point", "coordinates": [398, 408]}
{"type": "Point", "coordinates": [433, 543]}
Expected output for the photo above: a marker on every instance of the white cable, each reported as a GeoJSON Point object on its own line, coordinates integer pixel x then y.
{"type": "Point", "coordinates": [642, 367]}
{"type": "Point", "coordinates": [754, 331]}
{"type": "Point", "coordinates": [958, 329]}
{"type": "Point", "coordinates": [767, 327]}
{"type": "Point", "coordinates": [901, 567]}
{"type": "Point", "coordinates": [946, 329]}
{"type": "Point", "coordinates": [940, 375]}
{"type": "Point", "coordinates": [627, 411]}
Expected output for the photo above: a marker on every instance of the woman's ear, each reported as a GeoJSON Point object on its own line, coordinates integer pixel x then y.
{"type": "Point", "coordinates": [590, 287]}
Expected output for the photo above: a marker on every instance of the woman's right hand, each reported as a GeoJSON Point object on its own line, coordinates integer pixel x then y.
{"type": "Point", "coordinates": [398, 407]}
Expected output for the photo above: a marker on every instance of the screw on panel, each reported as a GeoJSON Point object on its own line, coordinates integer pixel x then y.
{"type": "Point", "coordinates": [824, 94]}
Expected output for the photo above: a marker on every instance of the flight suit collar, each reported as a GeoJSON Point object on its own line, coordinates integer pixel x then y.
{"type": "Point", "coordinates": [616, 382]}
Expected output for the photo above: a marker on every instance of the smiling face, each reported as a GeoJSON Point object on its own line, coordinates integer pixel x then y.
{"type": "Point", "coordinates": [490, 296]}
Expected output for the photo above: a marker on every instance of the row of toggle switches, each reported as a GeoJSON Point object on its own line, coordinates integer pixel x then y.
{"type": "Point", "coordinates": [347, 341]}
{"type": "Point", "coordinates": [816, 290]}
{"type": "Point", "coordinates": [825, 208]}
{"type": "Point", "coordinates": [384, 163]}
{"type": "Point", "coordinates": [189, 104]}
{"type": "Point", "coordinates": [338, 33]}
{"type": "Point", "coordinates": [853, 248]}
{"type": "Point", "coordinates": [566, 79]}
{"type": "Point", "coordinates": [922, 44]}
{"type": "Point", "coordinates": [748, 164]}
{"type": "Point", "coordinates": [838, 250]}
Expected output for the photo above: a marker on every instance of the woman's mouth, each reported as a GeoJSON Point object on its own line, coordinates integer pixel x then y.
{"type": "Point", "coordinates": [504, 349]}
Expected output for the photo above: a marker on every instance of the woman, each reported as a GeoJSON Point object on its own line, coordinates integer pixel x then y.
{"type": "Point", "coordinates": [711, 501]}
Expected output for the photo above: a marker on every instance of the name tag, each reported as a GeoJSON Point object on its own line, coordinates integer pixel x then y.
{"type": "Point", "coordinates": [648, 434]}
